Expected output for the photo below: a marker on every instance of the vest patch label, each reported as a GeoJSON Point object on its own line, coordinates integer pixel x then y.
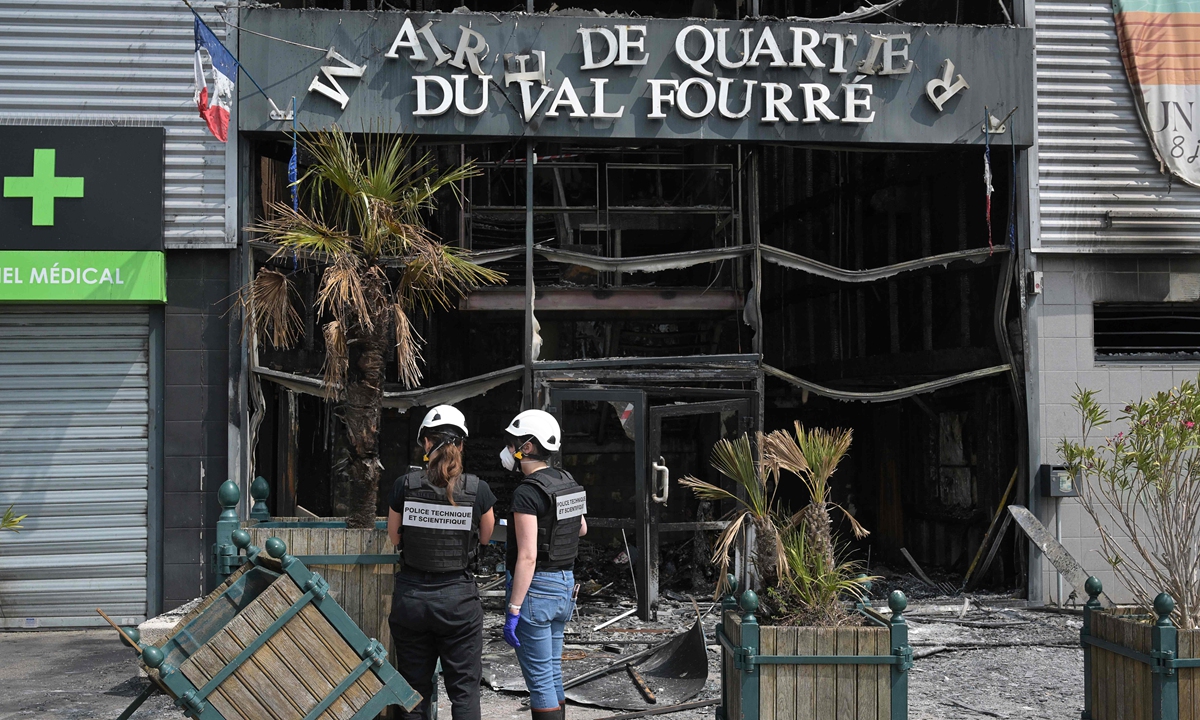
{"type": "Point", "coordinates": [439, 517]}
{"type": "Point", "coordinates": [572, 505]}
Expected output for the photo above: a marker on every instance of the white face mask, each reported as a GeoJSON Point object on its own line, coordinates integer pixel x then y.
{"type": "Point", "coordinates": [507, 459]}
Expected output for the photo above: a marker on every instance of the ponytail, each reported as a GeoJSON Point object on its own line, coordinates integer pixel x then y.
{"type": "Point", "coordinates": [445, 465]}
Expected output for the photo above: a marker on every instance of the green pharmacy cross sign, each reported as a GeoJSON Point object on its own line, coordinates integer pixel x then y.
{"type": "Point", "coordinates": [85, 189]}
{"type": "Point", "coordinates": [43, 187]}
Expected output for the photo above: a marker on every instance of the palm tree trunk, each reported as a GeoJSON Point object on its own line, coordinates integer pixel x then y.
{"type": "Point", "coordinates": [818, 532]}
{"type": "Point", "coordinates": [363, 408]}
{"type": "Point", "coordinates": [766, 554]}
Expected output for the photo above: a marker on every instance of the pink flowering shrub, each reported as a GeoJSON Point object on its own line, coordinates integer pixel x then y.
{"type": "Point", "coordinates": [1141, 487]}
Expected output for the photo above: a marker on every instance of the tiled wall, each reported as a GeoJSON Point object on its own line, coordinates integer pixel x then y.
{"type": "Point", "coordinates": [196, 405]}
{"type": "Point", "coordinates": [1066, 358]}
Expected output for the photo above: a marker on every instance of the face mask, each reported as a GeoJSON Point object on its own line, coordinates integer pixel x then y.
{"type": "Point", "coordinates": [507, 459]}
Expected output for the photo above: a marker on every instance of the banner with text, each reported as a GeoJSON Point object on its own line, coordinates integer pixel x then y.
{"type": "Point", "coordinates": [1160, 47]}
{"type": "Point", "coordinates": [558, 76]}
{"type": "Point", "coordinates": [82, 276]}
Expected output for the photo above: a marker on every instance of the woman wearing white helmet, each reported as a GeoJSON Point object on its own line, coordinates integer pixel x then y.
{"type": "Point", "coordinates": [547, 520]}
{"type": "Point", "coordinates": [442, 516]}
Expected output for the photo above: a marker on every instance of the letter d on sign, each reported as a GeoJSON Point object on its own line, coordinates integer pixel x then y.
{"type": "Point", "coordinates": [423, 109]}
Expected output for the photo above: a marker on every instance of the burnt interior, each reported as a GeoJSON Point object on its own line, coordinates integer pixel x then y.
{"type": "Point", "coordinates": [926, 472]}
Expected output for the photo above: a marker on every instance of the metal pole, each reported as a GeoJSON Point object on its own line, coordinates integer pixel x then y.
{"type": "Point", "coordinates": [1094, 588]}
{"type": "Point", "coordinates": [728, 604]}
{"type": "Point", "coordinates": [527, 389]}
{"type": "Point", "coordinates": [1164, 646]}
{"type": "Point", "coordinates": [750, 674]}
{"type": "Point", "coordinates": [1058, 537]}
{"type": "Point", "coordinates": [900, 648]}
{"type": "Point", "coordinates": [224, 552]}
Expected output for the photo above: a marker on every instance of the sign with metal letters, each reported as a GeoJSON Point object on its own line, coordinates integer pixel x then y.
{"type": "Point", "coordinates": [81, 188]}
{"type": "Point", "coordinates": [558, 76]}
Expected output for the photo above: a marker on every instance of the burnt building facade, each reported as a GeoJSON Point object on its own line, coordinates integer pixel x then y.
{"type": "Point", "coordinates": [723, 218]}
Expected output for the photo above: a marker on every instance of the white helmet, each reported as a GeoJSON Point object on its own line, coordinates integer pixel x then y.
{"type": "Point", "coordinates": [443, 416]}
{"type": "Point", "coordinates": [539, 424]}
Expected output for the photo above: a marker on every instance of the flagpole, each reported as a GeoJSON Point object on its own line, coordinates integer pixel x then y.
{"type": "Point", "coordinates": [235, 60]}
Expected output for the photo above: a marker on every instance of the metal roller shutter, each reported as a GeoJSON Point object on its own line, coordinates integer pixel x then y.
{"type": "Point", "coordinates": [1093, 155]}
{"type": "Point", "coordinates": [98, 62]}
{"type": "Point", "coordinates": [74, 456]}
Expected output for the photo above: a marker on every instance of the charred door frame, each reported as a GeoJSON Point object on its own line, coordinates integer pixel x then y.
{"type": "Point", "coordinates": [647, 431]}
{"type": "Point", "coordinates": [637, 398]}
{"type": "Point", "coordinates": [745, 406]}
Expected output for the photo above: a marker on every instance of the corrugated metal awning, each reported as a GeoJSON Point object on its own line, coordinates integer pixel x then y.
{"type": "Point", "coordinates": [1094, 158]}
{"type": "Point", "coordinates": [124, 63]}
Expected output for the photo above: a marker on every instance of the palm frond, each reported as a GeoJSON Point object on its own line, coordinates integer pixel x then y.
{"type": "Point", "coordinates": [859, 531]}
{"type": "Point", "coordinates": [433, 274]}
{"type": "Point", "coordinates": [823, 450]}
{"type": "Point", "coordinates": [408, 349]}
{"type": "Point", "coordinates": [735, 460]}
{"type": "Point", "coordinates": [270, 301]}
{"type": "Point", "coordinates": [341, 292]}
{"type": "Point", "coordinates": [297, 230]}
{"type": "Point", "coordinates": [337, 359]}
{"type": "Point", "coordinates": [780, 452]}
{"type": "Point", "coordinates": [707, 491]}
{"type": "Point", "coordinates": [723, 550]}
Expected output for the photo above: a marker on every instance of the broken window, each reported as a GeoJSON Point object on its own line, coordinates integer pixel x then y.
{"type": "Point", "coordinates": [1147, 331]}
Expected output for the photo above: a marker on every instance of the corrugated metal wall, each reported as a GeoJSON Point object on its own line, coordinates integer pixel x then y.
{"type": "Point", "coordinates": [74, 456]}
{"type": "Point", "coordinates": [127, 62]}
{"type": "Point", "coordinates": [1093, 155]}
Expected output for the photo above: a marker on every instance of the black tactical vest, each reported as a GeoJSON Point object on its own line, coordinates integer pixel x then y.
{"type": "Point", "coordinates": [439, 537]}
{"type": "Point", "coordinates": [558, 529]}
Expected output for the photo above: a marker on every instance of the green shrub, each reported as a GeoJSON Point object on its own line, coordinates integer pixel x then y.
{"type": "Point", "coordinates": [1143, 483]}
{"type": "Point", "coordinates": [11, 521]}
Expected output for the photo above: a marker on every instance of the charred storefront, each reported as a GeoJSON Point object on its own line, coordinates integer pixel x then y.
{"type": "Point", "coordinates": [707, 227]}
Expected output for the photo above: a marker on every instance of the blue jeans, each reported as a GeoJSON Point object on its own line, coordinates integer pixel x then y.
{"type": "Point", "coordinates": [544, 613]}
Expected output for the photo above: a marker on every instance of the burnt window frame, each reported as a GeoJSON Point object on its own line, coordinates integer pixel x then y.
{"type": "Point", "coordinates": [1114, 322]}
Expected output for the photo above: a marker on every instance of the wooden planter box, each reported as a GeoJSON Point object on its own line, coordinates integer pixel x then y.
{"type": "Point", "coordinates": [271, 641]}
{"type": "Point", "coordinates": [811, 673]}
{"type": "Point", "coordinates": [359, 565]}
{"type": "Point", "coordinates": [1137, 665]}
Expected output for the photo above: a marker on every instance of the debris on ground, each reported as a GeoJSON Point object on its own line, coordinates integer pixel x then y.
{"type": "Point", "coordinates": [991, 653]}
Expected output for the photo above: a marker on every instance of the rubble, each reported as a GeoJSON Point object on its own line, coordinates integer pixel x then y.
{"type": "Point", "coordinates": [1000, 656]}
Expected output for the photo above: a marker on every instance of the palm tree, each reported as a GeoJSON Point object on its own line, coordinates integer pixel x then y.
{"type": "Point", "coordinates": [813, 456]}
{"type": "Point", "coordinates": [362, 226]}
{"type": "Point", "coordinates": [735, 460]}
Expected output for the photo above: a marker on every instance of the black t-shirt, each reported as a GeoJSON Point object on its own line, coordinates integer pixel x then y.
{"type": "Point", "coordinates": [484, 498]}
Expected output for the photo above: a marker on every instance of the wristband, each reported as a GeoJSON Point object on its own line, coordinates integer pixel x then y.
{"type": "Point", "coordinates": [514, 609]}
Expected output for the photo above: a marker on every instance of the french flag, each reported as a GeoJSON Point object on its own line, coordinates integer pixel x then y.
{"type": "Point", "coordinates": [214, 108]}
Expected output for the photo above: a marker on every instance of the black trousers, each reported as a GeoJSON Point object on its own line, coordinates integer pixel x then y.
{"type": "Point", "coordinates": [439, 616]}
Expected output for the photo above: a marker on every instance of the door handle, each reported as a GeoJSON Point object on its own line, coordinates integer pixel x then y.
{"type": "Point", "coordinates": [662, 477]}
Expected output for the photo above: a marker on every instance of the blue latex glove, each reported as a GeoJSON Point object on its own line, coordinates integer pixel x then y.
{"type": "Point", "coordinates": [510, 629]}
